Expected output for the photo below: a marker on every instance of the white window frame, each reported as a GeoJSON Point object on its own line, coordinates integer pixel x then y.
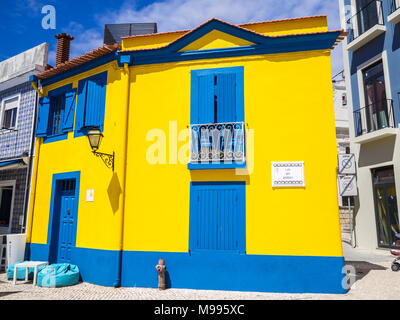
{"type": "Point", "coordinates": [3, 109]}
{"type": "Point", "coordinates": [361, 92]}
{"type": "Point", "coordinates": [9, 183]}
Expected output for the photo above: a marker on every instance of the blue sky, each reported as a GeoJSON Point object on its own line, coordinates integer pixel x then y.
{"type": "Point", "coordinates": [21, 26]}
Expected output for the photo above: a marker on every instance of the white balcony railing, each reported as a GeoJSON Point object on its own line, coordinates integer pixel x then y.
{"type": "Point", "coordinates": [217, 143]}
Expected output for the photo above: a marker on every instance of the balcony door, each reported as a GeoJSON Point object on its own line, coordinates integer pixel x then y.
{"type": "Point", "coordinates": [387, 216]}
{"type": "Point", "coordinates": [217, 115]}
{"type": "Point", "coordinates": [375, 97]}
{"type": "Point", "coordinates": [367, 15]}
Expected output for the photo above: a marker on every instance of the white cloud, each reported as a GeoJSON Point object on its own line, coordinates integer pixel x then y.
{"type": "Point", "coordinates": [173, 15]}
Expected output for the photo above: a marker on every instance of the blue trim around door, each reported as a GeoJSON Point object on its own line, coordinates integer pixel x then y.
{"type": "Point", "coordinates": [51, 233]}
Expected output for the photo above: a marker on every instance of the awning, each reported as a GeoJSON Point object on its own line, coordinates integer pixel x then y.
{"type": "Point", "coordinates": [12, 164]}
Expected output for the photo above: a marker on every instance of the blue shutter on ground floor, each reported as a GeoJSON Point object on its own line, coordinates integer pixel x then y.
{"type": "Point", "coordinates": [43, 117]}
{"type": "Point", "coordinates": [217, 217]}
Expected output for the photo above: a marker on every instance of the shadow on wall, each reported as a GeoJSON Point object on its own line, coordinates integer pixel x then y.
{"type": "Point", "coordinates": [377, 152]}
{"type": "Point", "coordinates": [114, 192]}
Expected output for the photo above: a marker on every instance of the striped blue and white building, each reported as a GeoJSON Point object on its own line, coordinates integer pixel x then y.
{"type": "Point", "coordinates": [18, 102]}
{"type": "Point", "coordinates": [372, 70]}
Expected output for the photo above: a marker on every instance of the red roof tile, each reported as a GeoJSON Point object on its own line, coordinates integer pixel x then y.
{"type": "Point", "coordinates": [89, 56]}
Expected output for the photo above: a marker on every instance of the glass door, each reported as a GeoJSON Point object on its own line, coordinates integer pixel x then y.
{"type": "Point", "coordinates": [387, 217]}
{"type": "Point", "coordinates": [375, 98]}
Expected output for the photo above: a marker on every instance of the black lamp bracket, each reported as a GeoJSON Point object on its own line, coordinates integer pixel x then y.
{"type": "Point", "coordinates": [108, 159]}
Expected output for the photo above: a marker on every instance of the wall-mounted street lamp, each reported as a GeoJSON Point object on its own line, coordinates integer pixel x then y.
{"type": "Point", "coordinates": [95, 136]}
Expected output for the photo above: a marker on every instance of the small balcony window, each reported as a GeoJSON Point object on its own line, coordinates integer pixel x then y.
{"type": "Point", "coordinates": [9, 116]}
{"type": "Point", "coordinates": [369, 14]}
{"type": "Point", "coordinates": [217, 129]}
{"type": "Point", "coordinates": [394, 6]}
{"type": "Point", "coordinates": [394, 16]}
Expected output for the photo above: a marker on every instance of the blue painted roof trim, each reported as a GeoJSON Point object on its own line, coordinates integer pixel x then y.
{"type": "Point", "coordinates": [80, 69]}
{"type": "Point", "coordinates": [273, 45]}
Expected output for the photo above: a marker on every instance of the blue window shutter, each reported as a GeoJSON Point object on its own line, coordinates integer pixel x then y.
{"type": "Point", "coordinates": [80, 105]}
{"type": "Point", "coordinates": [218, 216]}
{"type": "Point", "coordinates": [43, 117]}
{"type": "Point", "coordinates": [226, 97]}
{"type": "Point", "coordinates": [205, 107]}
{"type": "Point", "coordinates": [69, 112]}
{"type": "Point", "coordinates": [95, 101]}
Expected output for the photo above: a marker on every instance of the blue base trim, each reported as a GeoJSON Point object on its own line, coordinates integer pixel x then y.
{"type": "Point", "coordinates": [208, 271]}
{"type": "Point", "coordinates": [95, 266]}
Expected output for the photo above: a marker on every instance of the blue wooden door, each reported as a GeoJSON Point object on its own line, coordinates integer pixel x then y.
{"type": "Point", "coordinates": [217, 217]}
{"type": "Point", "coordinates": [67, 222]}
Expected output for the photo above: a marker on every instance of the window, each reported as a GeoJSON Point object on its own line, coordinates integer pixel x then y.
{"type": "Point", "coordinates": [91, 103]}
{"type": "Point", "coordinates": [344, 99]}
{"type": "Point", "coordinates": [57, 108]}
{"type": "Point", "coordinates": [10, 111]}
{"type": "Point", "coordinates": [6, 205]}
{"type": "Point", "coordinates": [56, 114]}
{"type": "Point", "coordinates": [217, 118]}
{"type": "Point", "coordinates": [345, 201]}
{"type": "Point", "coordinates": [377, 109]}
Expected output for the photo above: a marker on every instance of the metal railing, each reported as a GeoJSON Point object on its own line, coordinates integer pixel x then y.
{"type": "Point", "coordinates": [366, 18]}
{"type": "Point", "coordinates": [217, 143]}
{"type": "Point", "coordinates": [10, 143]}
{"type": "Point", "coordinates": [376, 116]}
{"type": "Point", "coordinates": [395, 5]}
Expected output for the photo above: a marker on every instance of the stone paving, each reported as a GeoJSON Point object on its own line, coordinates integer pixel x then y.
{"type": "Point", "coordinates": [374, 280]}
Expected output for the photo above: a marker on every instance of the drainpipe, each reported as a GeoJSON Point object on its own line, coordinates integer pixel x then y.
{"type": "Point", "coordinates": [121, 231]}
{"type": "Point", "coordinates": [35, 165]}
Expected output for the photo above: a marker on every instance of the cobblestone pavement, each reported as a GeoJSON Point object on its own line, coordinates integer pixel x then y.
{"type": "Point", "coordinates": [374, 280]}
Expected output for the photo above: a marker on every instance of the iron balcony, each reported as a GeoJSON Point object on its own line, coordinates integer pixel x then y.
{"type": "Point", "coordinates": [217, 143]}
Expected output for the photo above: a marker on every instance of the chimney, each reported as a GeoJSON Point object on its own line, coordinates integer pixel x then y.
{"type": "Point", "coordinates": [63, 45]}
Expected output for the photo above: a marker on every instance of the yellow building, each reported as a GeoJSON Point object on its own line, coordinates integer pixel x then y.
{"type": "Point", "coordinates": [218, 154]}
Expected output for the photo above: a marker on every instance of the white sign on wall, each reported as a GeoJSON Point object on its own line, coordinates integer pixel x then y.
{"type": "Point", "coordinates": [347, 164]}
{"type": "Point", "coordinates": [89, 195]}
{"type": "Point", "coordinates": [288, 174]}
{"type": "Point", "coordinates": [348, 186]}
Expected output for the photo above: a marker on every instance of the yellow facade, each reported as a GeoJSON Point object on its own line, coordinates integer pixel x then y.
{"type": "Point", "coordinates": [289, 116]}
